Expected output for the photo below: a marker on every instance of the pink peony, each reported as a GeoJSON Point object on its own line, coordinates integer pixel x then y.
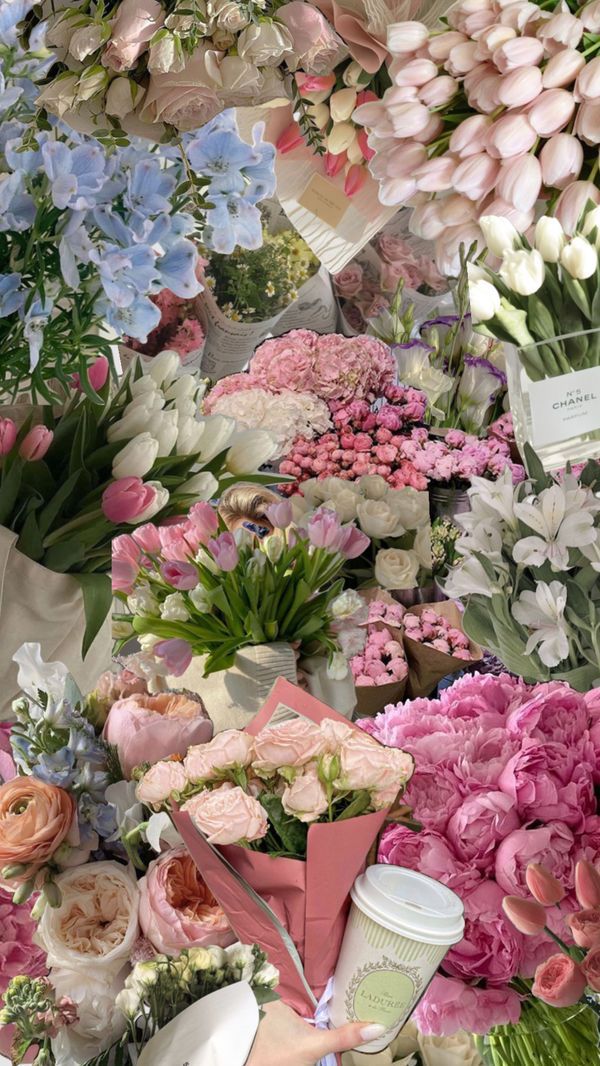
{"type": "Point", "coordinates": [549, 783]}
{"type": "Point", "coordinates": [550, 844]}
{"type": "Point", "coordinates": [478, 826]}
{"type": "Point", "coordinates": [484, 756]}
{"type": "Point", "coordinates": [491, 946]}
{"type": "Point", "coordinates": [449, 1005]}
{"type": "Point", "coordinates": [485, 697]}
{"type": "Point", "coordinates": [149, 728]}
{"type": "Point", "coordinates": [433, 795]}
{"type": "Point", "coordinates": [177, 909]}
{"type": "Point", "coordinates": [554, 711]}
{"type": "Point", "coordinates": [228, 815]}
{"type": "Point", "coordinates": [429, 853]}
{"type": "Point", "coordinates": [18, 952]}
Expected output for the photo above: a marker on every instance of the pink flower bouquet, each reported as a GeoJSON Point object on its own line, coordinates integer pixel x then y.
{"type": "Point", "coordinates": [293, 808]}
{"type": "Point", "coordinates": [380, 670]}
{"type": "Point", "coordinates": [504, 777]}
{"type": "Point", "coordinates": [179, 329]}
{"type": "Point", "coordinates": [435, 645]}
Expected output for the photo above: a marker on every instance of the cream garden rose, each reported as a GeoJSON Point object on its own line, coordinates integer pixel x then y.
{"type": "Point", "coordinates": [377, 519]}
{"type": "Point", "coordinates": [396, 568]}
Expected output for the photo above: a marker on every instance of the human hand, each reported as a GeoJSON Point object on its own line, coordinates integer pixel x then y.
{"type": "Point", "coordinates": [285, 1039]}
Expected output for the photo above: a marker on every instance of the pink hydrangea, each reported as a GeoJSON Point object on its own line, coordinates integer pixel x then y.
{"type": "Point", "coordinates": [18, 953]}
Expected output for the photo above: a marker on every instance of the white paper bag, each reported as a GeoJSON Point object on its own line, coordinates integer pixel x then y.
{"type": "Point", "coordinates": [218, 1030]}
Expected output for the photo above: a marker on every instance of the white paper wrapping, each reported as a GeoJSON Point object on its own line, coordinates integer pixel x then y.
{"type": "Point", "coordinates": [218, 1030]}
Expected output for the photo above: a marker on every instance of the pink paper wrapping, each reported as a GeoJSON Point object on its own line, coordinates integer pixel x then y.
{"type": "Point", "coordinates": [310, 899]}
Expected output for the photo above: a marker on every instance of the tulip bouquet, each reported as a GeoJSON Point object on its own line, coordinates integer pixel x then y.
{"type": "Point", "coordinates": [398, 555]}
{"type": "Point", "coordinates": [486, 113]}
{"type": "Point", "coordinates": [528, 573]}
{"type": "Point", "coordinates": [505, 775]}
{"type": "Point", "coordinates": [107, 935]}
{"type": "Point", "coordinates": [92, 469]}
{"type": "Point", "coordinates": [192, 589]}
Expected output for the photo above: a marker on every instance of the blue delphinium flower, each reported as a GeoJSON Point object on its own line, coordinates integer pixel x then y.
{"type": "Point", "coordinates": [76, 175]}
{"type": "Point", "coordinates": [11, 13]}
{"type": "Point", "coordinates": [99, 815]}
{"type": "Point", "coordinates": [35, 319]}
{"type": "Point", "coordinates": [222, 156]}
{"type": "Point", "coordinates": [125, 272]}
{"type": "Point", "coordinates": [149, 188]}
{"type": "Point", "coordinates": [232, 221]}
{"type": "Point", "coordinates": [9, 94]}
{"type": "Point", "coordinates": [138, 320]}
{"type": "Point", "coordinates": [17, 207]}
{"type": "Point", "coordinates": [178, 269]}
{"type": "Point", "coordinates": [57, 768]}
{"type": "Point", "coordinates": [12, 295]}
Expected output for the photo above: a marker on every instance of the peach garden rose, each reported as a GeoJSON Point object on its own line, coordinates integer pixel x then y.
{"type": "Point", "coordinates": [148, 728]}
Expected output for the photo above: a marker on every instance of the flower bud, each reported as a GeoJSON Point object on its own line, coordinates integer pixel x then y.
{"type": "Point", "coordinates": [92, 81]}
{"type": "Point", "coordinates": [523, 271]}
{"type": "Point", "coordinates": [249, 451]}
{"type": "Point", "coordinates": [137, 457]}
{"type": "Point", "coordinates": [527, 915]}
{"type": "Point", "coordinates": [342, 104]}
{"type": "Point", "coordinates": [587, 884]}
{"type": "Point", "coordinates": [500, 234]}
{"type": "Point", "coordinates": [122, 97]}
{"type": "Point", "coordinates": [579, 258]}
{"type": "Point", "coordinates": [543, 885]}
{"type": "Point", "coordinates": [485, 300]}
{"type": "Point", "coordinates": [352, 74]}
{"type": "Point", "coordinates": [23, 892]}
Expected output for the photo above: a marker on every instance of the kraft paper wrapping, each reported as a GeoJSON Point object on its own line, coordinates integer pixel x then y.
{"type": "Point", "coordinates": [427, 665]}
{"type": "Point", "coordinates": [296, 911]}
{"type": "Point", "coordinates": [371, 699]}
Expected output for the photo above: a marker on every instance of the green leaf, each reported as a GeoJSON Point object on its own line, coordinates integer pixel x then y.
{"type": "Point", "coordinates": [292, 833]}
{"type": "Point", "coordinates": [535, 469]}
{"type": "Point", "coordinates": [9, 490]}
{"type": "Point", "coordinates": [63, 556]}
{"type": "Point", "coordinates": [55, 505]}
{"type": "Point", "coordinates": [30, 541]}
{"type": "Point", "coordinates": [97, 599]}
{"type": "Point", "coordinates": [359, 805]}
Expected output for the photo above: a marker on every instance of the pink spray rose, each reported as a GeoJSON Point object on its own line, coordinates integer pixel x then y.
{"type": "Point", "coordinates": [449, 1005]}
{"type": "Point", "coordinates": [177, 909]}
{"type": "Point", "coordinates": [228, 750]}
{"type": "Point", "coordinates": [135, 23]}
{"type": "Point", "coordinates": [305, 798]}
{"type": "Point", "coordinates": [187, 98]}
{"type": "Point", "coordinates": [289, 744]}
{"type": "Point", "coordinates": [149, 728]}
{"type": "Point", "coordinates": [228, 815]}
{"type": "Point", "coordinates": [349, 281]}
{"type": "Point", "coordinates": [559, 981]}
{"type": "Point", "coordinates": [367, 764]}
{"type": "Point", "coordinates": [161, 781]}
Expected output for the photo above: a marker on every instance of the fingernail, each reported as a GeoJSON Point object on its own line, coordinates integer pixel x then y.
{"type": "Point", "coordinates": [371, 1032]}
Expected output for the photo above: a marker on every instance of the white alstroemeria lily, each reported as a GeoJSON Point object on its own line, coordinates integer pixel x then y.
{"type": "Point", "coordinates": [496, 498]}
{"type": "Point", "coordinates": [592, 552]}
{"type": "Point", "coordinates": [484, 538]}
{"type": "Point", "coordinates": [468, 578]}
{"type": "Point", "coordinates": [560, 518]}
{"type": "Point", "coordinates": [542, 612]}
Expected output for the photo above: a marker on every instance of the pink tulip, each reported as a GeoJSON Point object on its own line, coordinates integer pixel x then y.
{"type": "Point", "coordinates": [551, 111]}
{"type": "Point", "coordinates": [520, 87]}
{"type": "Point", "coordinates": [462, 58]}
{"type": "Point", "coordinates": [543, 885]}
{"type": "Point", "coordinates": [432, 130]}
{"type": "Point", "coordinates": [479, 73]}
{"type": "Point", "coordinates": [290, 138]}
{"type": "Point", "coordinates": [561, 159]}
{"type": "Point", "coordinates": [590, 17]}
{"type": "Point", "coordinates": [426, 220]}
{"type": "Point", "coordinates": [415, 72]}
{"type": "Point", "coordinates": [587, 123]}
{"type": "Point", "coordinates": [182, 576]}
{"type": "Point", "coordinates": [175, 653]}
{"type": "Point", "coordinates": [562, 68]}
{"type": "Point", "coordinates": [97, 374]}
{"type": "Point", "coordinates": [471, 136]}
{"type": "Point", "coordinates": [408, 119]}
{"type": "Point", "coordinates": [205, 521]}
{"type": "Point", "coordinates": [436, 174]}
{"type": "Point", "coordinates": [365, 96]}
{"type": "Point", "coordinates": [492, 38]}
{"type": "Point", "coordinates": [528, 916]}
{"type": "Point", "coordinates": [439, 47]}
{"type": "Point", "coordinates": [126, 498]}
{"type": "Point", "coordinates": [335, 163]}
{"type": "Point", "coordinates": [520, 181]}
{"type": "Point", "coordinates": [313, 83]}
{"type": "Point", "coordinates": [224, 551]}
{"type": "Point", "coordinates": [587, 86]}
{"type": "Point", "coordinates": [456, 210]}
{"type": "Point", "coordinates": [560, 31]}
{"type": "Point", "coordinates": [476, 176]}
{"type": "Point", "coordinates": [148, 538]}
{"type": "Point", "coordinates": [439, 91]}
{"type": "Point", "coordinates": [447, 247]}
{"type": "Point", "coordinates": [35, 444]}
{"type": "Point", "coordinates": [518, 52]}
{"type": "Point", "coordinates": [376, 117]}
{"type": "Point", "coordinates": [478, 22]}
{"type": "Point", "coordinates": [484, 96]}
{"type": "Point", "coordinates": [521, 220]}
{"type": "Point", "coordinates": [587, 884]}
{"type": "Point", "coordinates": [569, 207]}
{"type": "Point", "coordinates": [518, 15]}
{"type": "Point", "coordinates": [559, 981]}
{"type": "Point", "coordinates": [125, 565]}
{"type": "Point", "coordinates": [363, 143]}
{"type": "Point", "coordinates": [510, 135]}
{"type": "Point", "coordinates": [353, 542]}
{"type": "Point", "coordinates": [280, 514]}
{"type": "Point", "coordinates": [355, 179]}
{"type": "Point", "coordinates": [8, 435]}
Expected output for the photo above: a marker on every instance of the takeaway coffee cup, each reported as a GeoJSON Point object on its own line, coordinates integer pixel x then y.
{"type": "Point", "coordinates": [400, 927]}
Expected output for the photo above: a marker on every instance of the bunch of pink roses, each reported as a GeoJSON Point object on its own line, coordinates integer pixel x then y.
{"type": "Point", "coordinates": [487, 113]}
{"type": "Point", "coordinates": [457, 457]}
{"type": "Point", "coordinates": [505, 776]}
{"type": "Point", "coordinates": [332, 367]}
{"type": "Point", "coordinates": [264, 790]}
{"type": "Point", "coordinates": [382, 660]}
{"type": "Point", "coordinates": [432, 629]}
{"type": "Point", "coordinates": [179, 329]}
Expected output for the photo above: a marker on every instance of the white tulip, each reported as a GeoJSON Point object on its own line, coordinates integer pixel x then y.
{"type": "Point", "coordinates": [183, 388]}
{"type": "Point", "coordinates": [150, 402]}
{"type": "Point", "coordinates": [485, 300]}
{"type": "Point", "coordinates": [500, 234]}
{"type": "Point", "coordinates": [122, 97]}
{"type": "Point", "coordinates": [523, 271]}
{"type": "Point", "coordinates": [133, 422]}
{"type": "Point", "coordinates": [249, 451]}
{"type": "Point", "coordinates": [549, 238]}
{"type": "Point", "coordinates": [165, 427]}
{"type": "Point", "coordinates": [320, 113]}
{"type": "Point", "coordinates": [592, 221]}
{"type": "Point", "coordinates": [190, 435]}
{"type": "Point", "coordinates": [342, 104]}
{"type": "Point", "coordinates": [161, 499]}
{"type": "Point", "coordinates": [164, 367]}
{"type": "Point", "coordinates": [143, 385]}
{"type": "Point", "coordinates": [173, 608]}
{"type": "Point", "coordinates": [202, 486]}
{"type": "Point", "coordinates": [579, 258]}
{"type": "Point", "coordinates": [136, 458]}
{"type": "Point", "coordinates": [218, 431]}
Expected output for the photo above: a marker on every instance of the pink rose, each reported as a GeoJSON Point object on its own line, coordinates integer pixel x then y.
{"type": "Point", "coordinates": [231, 749]}
{"type": "Point", "coordinates": [177, 909]}
{"type": "Point", "coordinates": [289, 744]}
{"type": "Point", "coordinates": [393, 249]}
{"type": "Point", "coordinates": [149, 728]}
{"type": "Point", "coordinates": [429, 853]}
{"type": "Point", "coordinates": [434, 796]}
{"type": "Point", "coordinates": [491, 947]}
{"type": "Point", "coordinates": [317, 47]}
{"type": "Point", "coordinates": [135, 23]}
{"type": "Point", "coordinates": [364, 763]}
{"type": "Point", "coordinates": [115, 686]}
{"type": "Point", "coordinates": [478, 826]}
{"type": "Point", "coordinates": [186, 99]}
{"type": "Point", "coordinates": [228, 815]}
{"type": "Point", "coordinates": [559, 981]}
{"type": "Point", "coordinates": [450, 1005]}
{"type": "Point", "coordinates": [160, 782]}
{"type": "Point", "coordinates": [550, 844]}
{"type": "Point", "coordinates": [305, 798]}
{"type": "Point", "coordinates": [349, 281]}
{"type": "Point", "coordinates": [18, 952]}
{"type": "Point", "coordinates": [585, 927]}
{"type": "Point", "coordinates": [591, 969]}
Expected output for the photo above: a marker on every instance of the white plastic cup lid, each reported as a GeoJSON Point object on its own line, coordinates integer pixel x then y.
{"type": "Point", "coordinates": [410, 904]}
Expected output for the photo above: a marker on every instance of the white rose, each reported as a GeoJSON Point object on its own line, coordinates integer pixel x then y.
{"type": "Point", "coordinates": [230, 15]}
{"type": "Point", "coordinates": [249, 451]}
{"type": "Point", "coordinates": [143, 601]}
{"type": "Point", "coordinates": [373, 486]}
{"type": "Point", "coordinates": [455, 1050]}
{"type": "Point", "coordinates": [523, 271]}
{"type": "Point", "coordinates": [173, 609]}
{"type": "Point", "coordinates": [396, 568]}
{"type": "Point", "coordinates": [95, 926]}
{"type": "Point", "coordinates": [165, 55]}
{"type": "Point", "coordinates": [136, 458]}
{"type": "Point", "coordinates": [122, 97]}
{"type": "Point", "coordinates": [100, 1020]}
{"type": "Point", "coordinates": [500, 234]}
{"type": "Point", "coordinates": [264, 43]}
{"type": "Point", "coordinates": [411, 505]}
{"type": "Point", "coordinates": [93, 81]}
{"type": "Point", "coordinates": [241, 960]}
{"type": "Point", "coordinates": [60, 95]}
{"type": "Point", "coordinates": [377, 519]}
{"type": "Point", "coordinates": [344, 504]}
{"type": "Point", "coordinates": [88, 39]}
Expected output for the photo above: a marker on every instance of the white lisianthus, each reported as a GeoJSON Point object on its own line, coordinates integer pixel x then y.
{"type": "Point", "coordinates": [500, 234]}
{"type": "Point", "coordinates": [523, 271]}
{"type": "Point", "coordinates": [173, 608]}
{"type": "Point", "coordinates": [161, 499]}
{"type": "Point", "coordinates": [346, 605]}
{"type": "Point", "coordinates": [485, 300]}
{"type": "Point", "coordinates": [378, 519]}
{"type": "Point", "coordinates": [164, 367]}
{"type": "Point", "coordinates": [396, 568]}
{"type": "Point", "coordinates": [128, 1002]}
{"type": "Point", "coordinates": [267, 976]}
{"type": "Point", "coordinates": [249, 451]}
{"type": "Point", "coordinates": [579, 258]}
{"type": "Point", "coordinates": [241, 960]}
{"type": "Point", "coordinates": [143, 600]}
{"type": "Point", "coordinates": [549, 238]}
{"type": "Point", "coordinates": [136, 458]}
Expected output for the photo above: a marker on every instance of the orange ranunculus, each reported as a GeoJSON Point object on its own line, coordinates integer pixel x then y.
{"type": "Point", "coordinates": [35, 818]}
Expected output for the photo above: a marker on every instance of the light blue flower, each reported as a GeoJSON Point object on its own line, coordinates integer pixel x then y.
{"type": "Point", "coordinates": [29, 161]}
{"type": "Point", "coordinates": [138, 320]}
{"type": "Point", "coordinates": [261, 175]}
{"type": "Point", "coordinates": [232, 221]}
{"type": "Point", "coordinates": [125, 272]}
{"type": "Point", "coordinates": [17, 208]}
{"type": "Point", "coordinates": [149, 188]}
{"type": "Point", "coordinates": [113, 226]}
{"type": "Point", "coordinates": [12, 296]}
{"type": "Point", "coordinates": [36, 320]}
{"type": "Point", "coordinates": [221, 155]}
{"type": "Point", "coordinates": [178, 270]}
{"type": "Point", "coordinates": [55, 769]}
{"type": "Point", "coordinates": [8, 94]}
{"type": "Point", "coordinates": [76, 175]}
{"type": "Point", "coordinates": [11, 13]}
{"type": "Point", "coordinates": [101, 816]}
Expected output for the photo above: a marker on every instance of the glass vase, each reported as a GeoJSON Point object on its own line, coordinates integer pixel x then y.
{"type": "Point", "coordinates": [544, 1036]}
{"type": "Point", "coordinates": [557, 414]}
